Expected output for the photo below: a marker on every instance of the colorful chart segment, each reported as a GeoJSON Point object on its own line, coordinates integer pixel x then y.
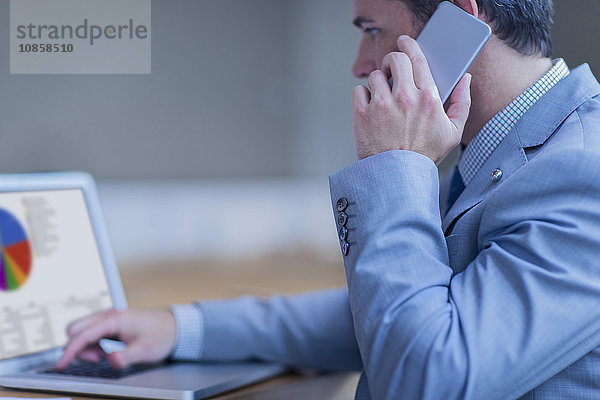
{"type": "Point", "coordinates": [15, 253]}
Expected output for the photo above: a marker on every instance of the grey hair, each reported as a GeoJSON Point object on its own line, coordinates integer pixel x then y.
{"type": "Point", "coordinates": [524, 25]}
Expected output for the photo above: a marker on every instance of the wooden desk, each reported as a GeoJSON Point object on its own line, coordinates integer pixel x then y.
{"type": "Point", "coordinates": [164, 283]}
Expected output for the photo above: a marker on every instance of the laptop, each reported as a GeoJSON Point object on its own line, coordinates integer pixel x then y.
{"type": "Point", "coordinates": [56, 265]}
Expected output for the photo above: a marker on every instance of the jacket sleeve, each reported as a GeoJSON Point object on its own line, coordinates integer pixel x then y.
{"type": "Point", "coordinates": [523, 310]}
{"type": "Point", "coordinates": [311, 330]}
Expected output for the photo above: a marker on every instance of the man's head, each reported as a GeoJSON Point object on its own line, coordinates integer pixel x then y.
{"type": "Point", "coordinates": [523, 25]}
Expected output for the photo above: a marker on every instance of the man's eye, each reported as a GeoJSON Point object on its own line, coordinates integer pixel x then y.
{"type": "Point", "coordinates": [372, 32]}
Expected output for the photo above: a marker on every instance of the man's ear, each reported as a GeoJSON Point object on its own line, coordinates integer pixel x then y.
{"type": "Point", "coordinates": [469, 6]}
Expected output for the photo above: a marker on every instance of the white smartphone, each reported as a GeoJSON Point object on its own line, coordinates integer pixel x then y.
{"type": "Point", "coordinates": [451, 40]}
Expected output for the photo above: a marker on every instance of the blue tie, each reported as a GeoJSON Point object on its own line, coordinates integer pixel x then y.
{"type": "Point", "coordinates": [456, 188]}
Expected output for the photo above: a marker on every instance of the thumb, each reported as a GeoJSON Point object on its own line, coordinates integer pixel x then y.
{"type": "Point", "coordinates": [460, 103]}
{"type": "Point", "coordinates": [133, 354]}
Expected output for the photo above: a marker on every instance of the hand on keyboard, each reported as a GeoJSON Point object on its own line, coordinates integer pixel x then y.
{"type": "Point", "coordinates": [149, 336]}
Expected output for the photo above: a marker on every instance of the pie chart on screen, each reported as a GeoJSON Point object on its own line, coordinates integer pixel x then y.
{"type": "Point", "coordinates": [15, 253]}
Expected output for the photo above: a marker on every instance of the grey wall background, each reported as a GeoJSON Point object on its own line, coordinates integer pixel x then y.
{"type": "Point", "coordinates": [246, 88]}
{"type": "Point", "coordinates": [230, 95]}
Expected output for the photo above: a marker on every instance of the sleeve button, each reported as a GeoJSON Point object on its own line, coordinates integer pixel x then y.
{"type": "Point", "coordinates": [343, 233]}
{"type": "Point", "coordinates": [342, 219]}
{"type": "Point", "coordinates": [345, 248]}
{"type": "Point", "coordinates": [342, 204]}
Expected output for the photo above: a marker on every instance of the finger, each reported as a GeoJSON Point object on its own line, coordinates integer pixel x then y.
{"type": "Point", "coordinates": [105, 328]}
{"type": "Point", "coordinates": [460, 103]}
{"type": "Point", "coordinates": [379, 85]}
{"type": "Point", "coordinates": [398, 65]}
{"type": "Point", "coordinates": [92, 354]}
{"type": "Point", "coordinates": [80, 324]}
{"type": "Point", "coordinates": [360, 98]}
{"type": "Point", "coordinates": [422, 73]}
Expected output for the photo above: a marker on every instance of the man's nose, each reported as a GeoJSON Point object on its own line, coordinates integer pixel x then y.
{"type": "Point", "coordinates": [363, 65]}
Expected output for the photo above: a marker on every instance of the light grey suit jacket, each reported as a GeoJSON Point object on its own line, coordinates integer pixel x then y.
{"type": "Point", "coordinates": [500, 300]}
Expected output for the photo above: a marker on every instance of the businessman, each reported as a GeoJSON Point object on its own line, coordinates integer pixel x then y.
{"type": "Point", "coordinates": [483, 287]}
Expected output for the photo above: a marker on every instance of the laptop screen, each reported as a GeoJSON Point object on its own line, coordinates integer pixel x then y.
{"type": "Point", "coordinates": [51, 272]}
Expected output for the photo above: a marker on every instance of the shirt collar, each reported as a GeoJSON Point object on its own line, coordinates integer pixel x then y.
{"type": "Point", "coordinates": [472, 158]}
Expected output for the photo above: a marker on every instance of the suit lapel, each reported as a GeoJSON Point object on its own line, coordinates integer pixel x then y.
{"type": "Point", "coordinates": [533, 129]}
{"type": "Point", "coordinates": [507, 157]}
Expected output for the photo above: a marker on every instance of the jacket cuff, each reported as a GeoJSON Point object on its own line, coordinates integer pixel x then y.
{"type": "Point", "coordinates": [366, 193]}
{"type": "Point", "coordinates": [189, 342]}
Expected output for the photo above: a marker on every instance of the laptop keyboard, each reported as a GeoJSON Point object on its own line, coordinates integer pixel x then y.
{"type": "Point", "coordinates": [99, 370]}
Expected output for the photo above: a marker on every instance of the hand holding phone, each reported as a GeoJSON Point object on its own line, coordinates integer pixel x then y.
{"type": "Point", "coordinates": [410, 116]}
{"type": "Point", "coordinates": [450, 41]}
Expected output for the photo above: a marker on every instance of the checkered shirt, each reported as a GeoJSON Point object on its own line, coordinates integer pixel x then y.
{"type": "Point", "coordinates": [189, 342]}
{"type": "Point", "coordinates": [478, 151]}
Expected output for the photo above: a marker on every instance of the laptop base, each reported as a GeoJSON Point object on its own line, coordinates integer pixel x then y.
{"type": "Point", "coordinates": [178, 380]}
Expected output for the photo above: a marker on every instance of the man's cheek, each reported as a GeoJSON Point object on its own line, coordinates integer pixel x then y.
{"type": "Point", "coordinates": [384, 51]}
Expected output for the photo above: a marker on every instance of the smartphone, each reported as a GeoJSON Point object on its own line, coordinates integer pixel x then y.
{"type": "Point", "coordinates": [451, 40]}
